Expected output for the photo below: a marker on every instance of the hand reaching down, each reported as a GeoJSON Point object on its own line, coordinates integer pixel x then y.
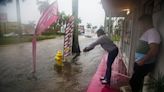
{"type": "Point", "coordinates": [86, 49]}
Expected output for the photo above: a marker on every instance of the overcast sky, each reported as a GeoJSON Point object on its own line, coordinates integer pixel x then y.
{"type": "Point", "coordinates": [90, 11]}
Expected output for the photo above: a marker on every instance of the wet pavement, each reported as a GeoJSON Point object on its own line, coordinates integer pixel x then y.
{"type": "Point", "coordinates": [16, 67]}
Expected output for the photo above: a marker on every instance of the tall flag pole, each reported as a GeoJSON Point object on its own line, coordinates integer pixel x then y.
{"type": "Point", "coordinates": [49, 16]}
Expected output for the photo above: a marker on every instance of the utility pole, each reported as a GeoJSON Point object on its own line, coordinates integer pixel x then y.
{"type": "Point", "coordinates": [18, 18]}
{"type": "Point", "coordinates": [75, 44]}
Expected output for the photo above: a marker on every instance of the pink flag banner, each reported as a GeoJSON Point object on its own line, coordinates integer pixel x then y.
{"type": "Point", "coordinates": [68, 37]}
{"type": "Point", "coordinates": [49, 16]}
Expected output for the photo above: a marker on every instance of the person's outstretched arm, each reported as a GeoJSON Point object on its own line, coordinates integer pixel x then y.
{"type": "Point", "coordinates": [92, 45]}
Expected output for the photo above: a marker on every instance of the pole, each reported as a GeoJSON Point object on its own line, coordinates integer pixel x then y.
{"type": "Point", "coordinates": [18, 17]}
{"type": "Point", "coordinates": [75, 44]}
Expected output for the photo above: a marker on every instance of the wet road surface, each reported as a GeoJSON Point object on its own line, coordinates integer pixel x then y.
{"type": "Point", "coordinates": [16, 67]}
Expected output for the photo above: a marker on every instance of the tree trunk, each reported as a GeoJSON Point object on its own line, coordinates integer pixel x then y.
{"type": "Point", "coordinates": [75, 44]}
{"type": "Point", "coordinates": [1, 30]}
{"type": "Point", "coordinates": [1, 34]}
{"type": "Point", "coordinates": [19, 30]}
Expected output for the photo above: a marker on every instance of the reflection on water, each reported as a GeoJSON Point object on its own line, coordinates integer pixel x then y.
{"type": "Point", "coordinates": [68, 71]}
{"type": "Point", "coordinates": [32, 76]}
{"type": "Point", "coordinates": [58, 68]}
{"type": "Point", "coordinates": [68, 76]}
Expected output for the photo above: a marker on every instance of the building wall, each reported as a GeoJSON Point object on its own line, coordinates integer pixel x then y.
{"type": "Point", "coordinates": [154, 7]}
{"type": "Point", "coordinates": [159, 24]}
{"type": "Point", "coordinates": [136, 32]}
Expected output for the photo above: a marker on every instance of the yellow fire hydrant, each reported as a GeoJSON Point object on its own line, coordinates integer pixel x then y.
{"type": "Point", "coordinates": [59, 58]}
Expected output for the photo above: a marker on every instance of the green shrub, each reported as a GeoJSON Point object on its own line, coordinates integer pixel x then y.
{"type": "Point", "coordinates": [14, 40]}
{"type": "Point", "coordinates": [116, 38]}
{"type": "Point", "coordinates": [52, 33]}
{"type": "Point", "coordinates": [157, 84]}
{"type": "Point", "coordinates": [49, 33]}
{"type": "Point", "coordinates": [42, 37]}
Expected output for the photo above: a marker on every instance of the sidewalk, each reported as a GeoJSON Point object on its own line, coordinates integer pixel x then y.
{"type": "Point", "coordinates": [118, 78]}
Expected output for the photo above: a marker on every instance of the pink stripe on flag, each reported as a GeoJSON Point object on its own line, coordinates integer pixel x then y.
{"type": "Point", "coordinates": [49, 17]}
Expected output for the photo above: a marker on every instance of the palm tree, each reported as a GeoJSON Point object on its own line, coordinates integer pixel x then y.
{"type": "Point", "coordinates": [18, 17]}
{"type": "Point", "coordinates": [89, 25]}
{"type": "Point", "coordinates": [4, 2]}
{"type": "Point", "coordinates": [79, 20]}
{"type": "Point", "coordinates": [61, 21]}
{"type": "Point", "coordinates": [42, 6]}
{"type": "Point", "coordinates": [63, 18]}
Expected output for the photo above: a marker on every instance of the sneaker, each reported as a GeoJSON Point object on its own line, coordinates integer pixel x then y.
{"type": "Point", "coordinates": [105, 82]}
{"type": "Point", "coordinates": [102, 78]}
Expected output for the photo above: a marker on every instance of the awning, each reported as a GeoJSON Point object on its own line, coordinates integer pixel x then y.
{"type": "Point", "coordinates": [117, 7]}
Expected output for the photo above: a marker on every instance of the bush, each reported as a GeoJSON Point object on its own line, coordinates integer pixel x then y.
{"type": "Point", "coordinates": [116, 38]}
{"type": "Point", "coordinates": [51, 32]}
{"type": "Point", "coordinates": [60, 34]}
{"type": "Point", "coordinates": [157, 84]}
{"type": "Point", "coordinates": [42, 37]}
{"type": "Point", "coordinates": [14, 40]}
{"type": "Point", "coordinates": [28, 38]}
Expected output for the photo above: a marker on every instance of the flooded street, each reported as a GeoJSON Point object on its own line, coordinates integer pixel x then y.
{"type": "Point", "coordinates": [16, 68]}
